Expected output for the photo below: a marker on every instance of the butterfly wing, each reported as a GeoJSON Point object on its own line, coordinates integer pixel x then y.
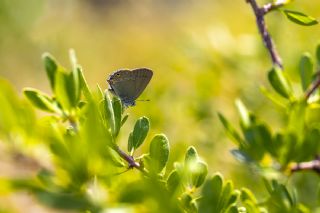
{"type": "Point", "coordinates": [142, 78]}
{"type": "Point", "coordinates": [128, 85]}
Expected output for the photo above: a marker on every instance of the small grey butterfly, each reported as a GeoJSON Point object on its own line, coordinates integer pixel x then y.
{"type": "Point", "coordinates": [129, 84]}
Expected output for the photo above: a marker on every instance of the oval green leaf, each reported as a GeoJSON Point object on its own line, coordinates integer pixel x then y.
{"type": "Point", "coordinates": [300, 18]}
{"type": "Point", "coordinates": [199, 171]}
{"type": "Point", "coordinates": [245, 117]}
{"type": "Point", "coordinates": [83, 84]}
{"type": "Point", "coordinates": [117, 111]}
{"type": "Point", "coordinates": [159, 153]}
{"type": "Point", "coordinates": [140, 131]}
{"type": "Point", "coordinates": [130, 143]}
{"type": "Point", "coordinates": [225, 195]}
{"type": "Point", "coordinates": [108, 112]}
{"type": "Point", "coordinates": [173, 181]}
{"type": "Point", "coordinates": [40, 100]}
{"type": "Point", "coordinates": [279, 82]}
{"type": "Point", "coordinates": [62, 89]}
{"type": "Point", "coordinates": [306, 71]}
{"type": "Point", "coordinates": [77, 86]}
{"type": "Point", "coordinates": [318, 54]}
{"type": "Point", "coordinates": [233, 197]}
{"type": "Point", "coordinates": [246, 194]}
{"type": "Point", "coordinates": [124, 119]}
{"type": "Point", "coordinates": [51, 67]}
{"type": "Point", "coordinates": [191, 155]}
{"type": "Point", "coordinates": [230, 130]}
{"type": "Point", "coordinates": [211, 192]}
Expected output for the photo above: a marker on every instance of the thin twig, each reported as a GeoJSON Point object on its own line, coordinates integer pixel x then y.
{"type": "Point", "coordinates": [271, 7]}
{"type": "Point", "coordinates": [129, 159]}
{"type": "Point", "coordinates": [313, 165]}
{"type": "Point", "coordinates": [315, 85]}
{"type": "Point", "coordinates": [259, 13]}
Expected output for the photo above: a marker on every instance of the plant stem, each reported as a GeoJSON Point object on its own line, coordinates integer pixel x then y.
{"type": "Point", "coordinates": [259, 13]}
{"type": "Point", "coordinates": [271, 6]}
{"type": "Point", "coordinates": [315, 85]}
{"type": "Point", "coordinates": [313, 165]}
{"type": "Point", "coordinates": [129, 159]}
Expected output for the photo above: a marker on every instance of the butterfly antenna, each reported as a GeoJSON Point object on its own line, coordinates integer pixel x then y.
{"type": "Point", "coordinates": [144, 100]}
{"type": "Point", "coordinates": [119, 173]}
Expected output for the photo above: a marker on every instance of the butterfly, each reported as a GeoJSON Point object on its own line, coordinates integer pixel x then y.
{"type": "Point", "coordinates": [129, 84]}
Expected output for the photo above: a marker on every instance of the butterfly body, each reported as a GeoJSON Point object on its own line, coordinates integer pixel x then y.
{"type": "Point", "coordinates": [129, 84]}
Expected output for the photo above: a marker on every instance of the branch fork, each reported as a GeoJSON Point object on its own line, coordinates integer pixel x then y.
{"type": "Point", "coordinates": [260, 12]}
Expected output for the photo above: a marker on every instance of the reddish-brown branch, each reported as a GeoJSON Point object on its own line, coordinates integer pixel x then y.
{"type": "Point", "coordinates": [129, 159]}
{"type": "Point", "coordinates": [313, 165]}
{"type": "Point", "coordinates": [271, 6]}
{"type": "Point", "coordinates": [314, 86]}
{"type": "Point", "coordinates": [267, 40]}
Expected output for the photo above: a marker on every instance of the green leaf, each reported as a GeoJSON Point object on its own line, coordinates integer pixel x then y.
{"type": "Point", "coordinates": [173, 181]}
{"type": "Point", "coordinates": [231, 131]}
{"type": "Point", "coordinates": [159, 153]}
{"type": "Point", "coordinates": [300, 18]}
{"type": "Point", "coordinates": [51, 68]}
{"type": "Point", "coordinates": [73, 59]}
{"type": "Point", "coordinates": [225, 195]}
{"type": "Point", "coordinates": [232, 209]}
{"type": "Point", "coordinates": [130, 142]}
{"type": "Point", "coordinates": [233, 197]}
{"type": "Point", "coordinates": [287, 147]}
{"type": "Point", "coordinates": [296, 117]}
{"type": "Point", "coordinates": [273, 97]}
{"type": "Point", "coordinates": [117, 111]}
{"type": "Point", "coordinates": [198, 172]}
{"type": "Point", "coordinates": [245, 117]}
{"type": "Point", "coordinates": [76, 86]}
{"type": "Point", "coordinates": [124, 119]}
{"type": "Point", "coordinates": [178, 166]}
{"type": "Point", "coordinates": [252, 207]}
{"type": "Point", "coordinates": [310, 144]}
{"type": "Point", "coordinates": [100, 92]}
{"type": "Point", "coordinates": [108, 109]}
{"type": "Point", "coordinates": [215, 186]}
{"type": "Point", "coordinates": [318, 54]}
{"type": "Point", "coordinates": [279, 82]}
{"type": "Point", "coordinates": [246, 194]}
{"type": "Point", "coordinates": [280, 199]}
{"type": "Point", "coordinates": [306, 71]}
{"type": "Point", "coordinates": [81, 104]}
{"type": "Point", "coordinates": [140, 131]}
{"type": "Point", "coordinates": [64, 89]}
{"type": "Point", "coordinates": [193, 207]}
{"type": "Point", "coordinates": [211, 192]}
{"type": "Point", "coordinates": [40, 100]}
{"type": "Point", "coordinates": [188, 203]}
{"type": "Point", "coordinates": [84, 84]}
{"type": "Point", "coordinates": [185, 199]}
{"type": "Point", "coordinates": [76, 78]}
{"type": "Point", "coordinates": [59, 149]}
{"type": "Point", "coordinates": [258, 140]}
{"type": "Point", "coordinates": [191, 155]}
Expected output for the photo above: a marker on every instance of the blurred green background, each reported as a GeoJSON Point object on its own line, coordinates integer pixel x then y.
{"type": "Point", "coordinates": [205, 54]}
